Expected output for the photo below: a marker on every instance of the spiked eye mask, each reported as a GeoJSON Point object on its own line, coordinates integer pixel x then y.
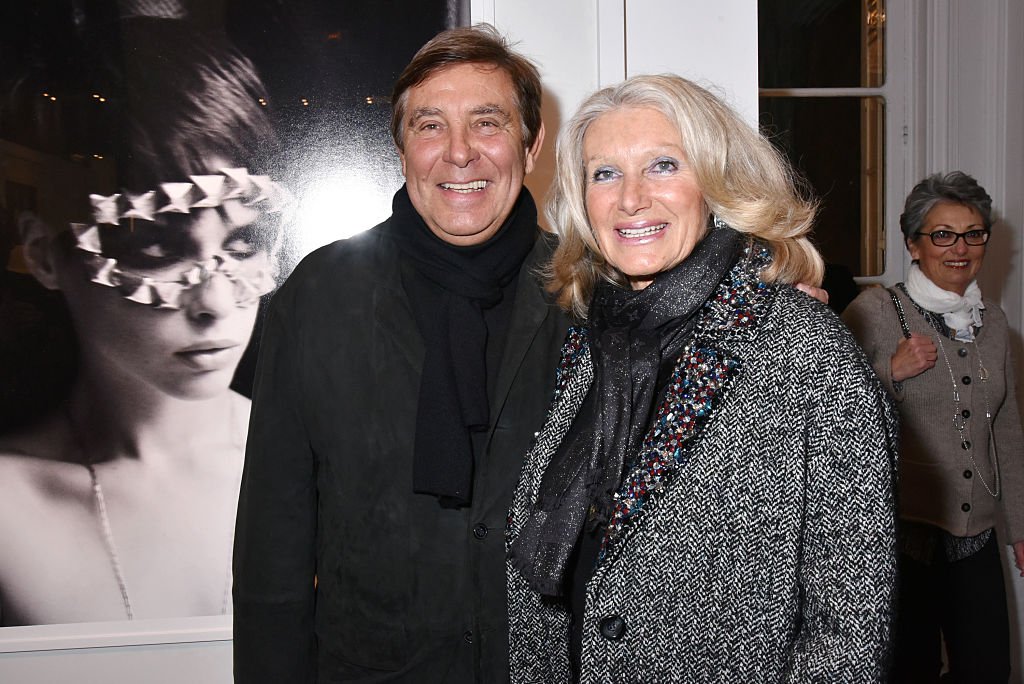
{"type": "Point", "coordinates": [251, 273]}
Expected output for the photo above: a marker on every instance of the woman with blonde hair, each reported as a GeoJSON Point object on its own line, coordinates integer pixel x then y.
{"type": "Point", "coordinates": [710, 498]}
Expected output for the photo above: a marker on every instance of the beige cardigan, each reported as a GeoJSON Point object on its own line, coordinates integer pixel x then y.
{"type": "Point", "coordinates": [939, 483]}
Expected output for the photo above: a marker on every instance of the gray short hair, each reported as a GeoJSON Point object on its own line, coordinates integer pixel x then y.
{"type": "Point", "coordinates": [956, 187]}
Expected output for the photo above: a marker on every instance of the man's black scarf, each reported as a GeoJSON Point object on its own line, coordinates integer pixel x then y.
{"type": "Point", "coordinates": [633, 335]}
{"type": "Point", "coordinates": [462, 283]}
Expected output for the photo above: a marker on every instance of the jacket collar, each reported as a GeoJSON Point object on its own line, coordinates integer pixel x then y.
{"type": "Point", "coordinates": [735, 310]}
{"type": "Point", "coordinates": [531, 308]}
{"type": "Point", "coordinates": [701, 379]}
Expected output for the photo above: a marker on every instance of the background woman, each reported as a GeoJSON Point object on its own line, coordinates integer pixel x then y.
{"type": "Point", "coordinates": [943, 352]}
{"type": "Point", "coordinates": [119, 501]}
{"type": "Point", "coordinates": [710, 498]}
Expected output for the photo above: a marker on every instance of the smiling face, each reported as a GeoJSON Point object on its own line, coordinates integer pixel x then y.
{"type": "Point", "coordinates": [951, 268]}
{"type": "Point", "coordinates": [643, 202]}
{"type": "Point", "coordinates": [464, 160]}
{"type": "Point", "coordinates": [190, 352]}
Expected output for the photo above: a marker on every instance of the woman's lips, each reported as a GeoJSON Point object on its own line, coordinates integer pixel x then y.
{"type": "Point", "coordinates": [639, 232]}
{"type": "Point", "coordinates": [209, 356]}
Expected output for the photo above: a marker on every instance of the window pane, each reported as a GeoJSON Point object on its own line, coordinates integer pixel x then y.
{"type": "Point", "coordinates": [821, 43]}
{"type": "Point", "coordinates": [837, 145]}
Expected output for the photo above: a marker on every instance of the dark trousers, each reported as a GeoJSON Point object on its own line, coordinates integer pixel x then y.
{"type": "Point", "coordinates": [965, 601]}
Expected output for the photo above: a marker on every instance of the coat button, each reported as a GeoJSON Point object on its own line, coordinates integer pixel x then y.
{"type": "Point", "coordinates": [962, 352]}
{"type": "Point", "coordinates": [467, 636]}
{"type": "Point", "coordinates": [480, 530]}
{"type": "Point", "coordinates": [968, 474]}
{"type": "Point", "coordinates": [966, 379]}
{"type": "Point", "coordinates": [966, 507]}
{"type": "Point", "coordinates": [966, 444]}
{"type": "Point", "coordinates": [612, 628]}
{"type": "Point", "coordinates": [966, 413]}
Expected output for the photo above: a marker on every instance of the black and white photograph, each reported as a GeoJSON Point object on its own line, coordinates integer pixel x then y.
{"type": "Point", "coordinates": [165, 163]}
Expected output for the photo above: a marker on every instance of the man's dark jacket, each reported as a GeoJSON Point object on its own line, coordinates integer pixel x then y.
{"type": "Point", "coordinates": [407, 591]}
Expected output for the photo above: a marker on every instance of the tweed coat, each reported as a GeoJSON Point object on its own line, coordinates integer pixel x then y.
{"type": "Point", "coordinates": [754, 539]}
{"type": "Point", "coordinates": [939, 482]}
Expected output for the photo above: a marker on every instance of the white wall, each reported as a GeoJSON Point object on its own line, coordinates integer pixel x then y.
{"type": "Point", "coordinates": [970, 90]}
{"type": "Point", "coordinates": [712, 43]}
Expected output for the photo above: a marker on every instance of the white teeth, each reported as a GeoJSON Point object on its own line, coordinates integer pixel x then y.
{"type": "Point", "coordinates": [640, 232]}
{"type": "Point", "coordinates": [471, 186]}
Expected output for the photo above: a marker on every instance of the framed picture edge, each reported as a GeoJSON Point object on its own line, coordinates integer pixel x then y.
{"type": "Point", "coordinates": [116, 633]}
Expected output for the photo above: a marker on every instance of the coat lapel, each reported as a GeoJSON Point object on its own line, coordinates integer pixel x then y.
{"type": "Point", "coordinates": [528, 315]}
{"type": "Point", "coordinates": [706, 369]}
{"type": "Point", "coordinates": [393, 314]}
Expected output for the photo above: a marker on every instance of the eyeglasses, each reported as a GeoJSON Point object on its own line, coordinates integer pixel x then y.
{"type": "Point", "coordinates": [947, 238]}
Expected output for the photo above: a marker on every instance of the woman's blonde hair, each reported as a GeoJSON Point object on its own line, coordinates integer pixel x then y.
{"type": "Point", "coordinates": [745, 181]}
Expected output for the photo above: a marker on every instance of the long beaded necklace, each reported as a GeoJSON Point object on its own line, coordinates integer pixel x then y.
{"type": "Point", "coordinates": [959, 423]}
{"type": "Point", "coordinates": [958, 417]}
{"type": "Point", "coordinates": [107, 531]}
{"type": "Point", "coordinates": [108, 534]}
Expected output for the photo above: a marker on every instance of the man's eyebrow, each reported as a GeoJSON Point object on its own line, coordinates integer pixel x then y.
{"type": "Point", "coordinates": [422, 112]}
{"type": "Point", "coordinates": [481, 110]}
{"type": "Point", "coordinates": [485, 109]}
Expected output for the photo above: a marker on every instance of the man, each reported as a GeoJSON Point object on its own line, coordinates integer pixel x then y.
{"type": "Point", "coordinates": [402, 376]}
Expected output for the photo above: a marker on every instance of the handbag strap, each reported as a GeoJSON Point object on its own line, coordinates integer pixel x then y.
{"type": "Point", "coordinates": [900, 313]}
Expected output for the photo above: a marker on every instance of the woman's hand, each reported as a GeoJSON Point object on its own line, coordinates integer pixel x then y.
{"type": "Point", "coordinates": [913, 356]}
{"type": "Point", "coordinates": [1018, 556]}
{"type": "Point", "coordinates": [816, 292]}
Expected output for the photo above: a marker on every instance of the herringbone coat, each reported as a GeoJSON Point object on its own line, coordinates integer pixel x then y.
{"type": "Point", "coordinates": [754, 541]}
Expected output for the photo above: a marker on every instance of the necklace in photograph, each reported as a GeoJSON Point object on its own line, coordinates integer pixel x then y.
{"type": "Point", "coordinates": [107, 532]}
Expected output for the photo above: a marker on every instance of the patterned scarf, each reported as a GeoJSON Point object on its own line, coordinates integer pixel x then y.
{"type": "Point", "coordinates": [634, 335]}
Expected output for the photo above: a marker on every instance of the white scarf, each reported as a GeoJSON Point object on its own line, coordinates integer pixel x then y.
{"type": "Point", "coordinates": [959, 313]}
